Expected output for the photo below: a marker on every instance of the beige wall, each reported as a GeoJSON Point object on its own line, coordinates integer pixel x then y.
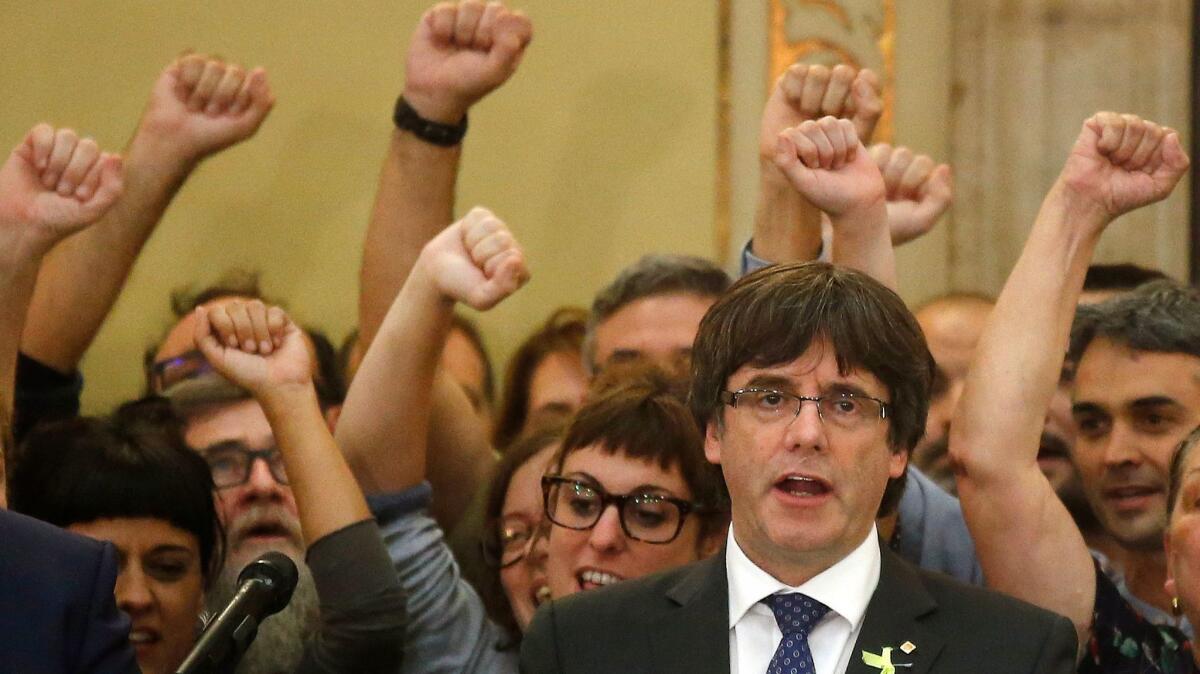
{"type": "Point", "coordinates": [601, 148]}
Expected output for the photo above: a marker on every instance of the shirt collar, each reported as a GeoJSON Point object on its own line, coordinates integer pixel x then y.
{"type": "Point", "coordinates": [846, 587]}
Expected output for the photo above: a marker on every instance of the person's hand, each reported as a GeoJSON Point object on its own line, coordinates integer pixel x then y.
{"type": "Point", "coordinates": [1120, 163]}
{"type": "Point", "coordinates": [460, 52]}
{"type": "Point", "coordinates": [827, 164]}
{"type": "Point", "coordinates": [810, 92]}
{"type": "Point", "coordinates": [919, 190]}
{"type": "Point", "coordinates": [254, 346]}
{"type": "Point", "coordinates": [475, 261]}
{"type": "Point", "coordinates": [52, 185]}
{"type": "Point", "coordinates": [201, 105]}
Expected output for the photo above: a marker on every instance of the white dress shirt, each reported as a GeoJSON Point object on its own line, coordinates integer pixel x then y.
{"type": "Point", "coordinates": [845, 587]}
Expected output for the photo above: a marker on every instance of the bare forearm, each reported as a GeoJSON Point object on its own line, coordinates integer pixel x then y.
{"type": "Point", "coordinates": [787, 228]}
{"type": "Point", "coordinates": [385, 419]}
{"type": "Point", "coordinates": [1019, 359]}
{"type": "Point", "coordinates": [862, 241]}
{"type": "Point", "coordinates": [17, 277]}
{"type": "Point", "coordinates": [414, 202]}
{"type": "Point", "coordinates": [82, 277]}
{"type": "Point", "coordinates": [327, 496]}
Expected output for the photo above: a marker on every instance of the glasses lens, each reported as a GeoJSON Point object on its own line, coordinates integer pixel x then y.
{"type": "Point", "coordinates": [275, 462]}
{"type": "Point", "coordinates": [228, 467]}
{"type": "Point", "coordinates": [174, 370]}
{"type": "Point", "coordinates": [514, 535]}
{"type": "Point", "coordinates": [848, 412]}
{"type": "Point", "coordinates": [651, 518]}
{"type": "Point", "coordinates": [768, 406]}
{"type": "Point", "coordinates": [574, 505]}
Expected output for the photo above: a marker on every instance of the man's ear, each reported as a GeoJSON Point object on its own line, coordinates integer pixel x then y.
{"type": "Point", "coordinates": [713, 433]}
{"type": "Point", "coordinates": [897, 463]}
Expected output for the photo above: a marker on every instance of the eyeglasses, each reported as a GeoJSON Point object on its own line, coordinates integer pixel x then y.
{"type": "Point", "coordinates": [510, 541]}
{"type": "Point", "coordinates": [231, 464]}
{"type": "Point", "coordinates": [170, 371]}
{"type": "Point", "coordinates": [845, 411]}
{"type": "Point", "coordinates": [645, 516]}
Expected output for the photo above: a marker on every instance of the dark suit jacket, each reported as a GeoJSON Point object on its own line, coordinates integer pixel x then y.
{"type": "Point", "coordinates": [679, 622]}
{"type": "Point", "coordinates": [57, 611]}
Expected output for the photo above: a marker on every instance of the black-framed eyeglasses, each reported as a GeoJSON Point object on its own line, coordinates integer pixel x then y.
{"type": "Point", "coordinates": [231, 464]}
{"type": "Point", "coordinates": [509, 540]}
{"type": "Point", "coordinates": [170, 371]}
{"type": "Point", "coordinates": [645, 516]}
{"type": "Point", "coordinates": [843, 410]}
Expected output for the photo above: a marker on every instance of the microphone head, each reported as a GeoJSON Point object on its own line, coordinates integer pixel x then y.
{"type": "Point", "coordinates": [278, 572]}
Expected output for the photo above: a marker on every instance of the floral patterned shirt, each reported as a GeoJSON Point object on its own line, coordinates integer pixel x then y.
{"type": "Point", "coordinates": [1124, 642]}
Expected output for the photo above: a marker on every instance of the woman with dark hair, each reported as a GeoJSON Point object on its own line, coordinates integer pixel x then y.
{"type": "Point", "coordinates": [133, 481]}
{"type": "Point", "coordinates": [545, 380]}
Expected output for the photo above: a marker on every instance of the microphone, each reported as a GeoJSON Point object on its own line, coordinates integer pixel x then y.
{"type": "Point", "coordinates": [264, 588]}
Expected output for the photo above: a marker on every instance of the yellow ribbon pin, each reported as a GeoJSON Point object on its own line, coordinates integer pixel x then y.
{"type": "Point", "coordinates": [882, 662]}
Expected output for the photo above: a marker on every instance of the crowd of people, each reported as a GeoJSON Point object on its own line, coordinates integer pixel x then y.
{"type": "Point", "coordinates": [791, 471]}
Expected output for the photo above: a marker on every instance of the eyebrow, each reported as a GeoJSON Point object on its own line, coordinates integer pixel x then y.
{"type": "Point", "coordinates": [784, 384]}
{"type": "Point", "coordinates": [170, 547]}
{"type": "Point", "coordinates": [1088, 408]}
{"type": "Point", "coordinates": [1152, 402]}
{"type": "Point", "coordinates": [640, 489]}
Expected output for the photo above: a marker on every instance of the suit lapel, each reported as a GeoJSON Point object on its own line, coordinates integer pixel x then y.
{"type": "Point", "coordinates": [694, 637]}
{"type": "Point", "coordinates": [892, 620]}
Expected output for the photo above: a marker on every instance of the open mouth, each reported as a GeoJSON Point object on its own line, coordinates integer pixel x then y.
{"type": "Point", "coordinates": [592, 578]}
{"type": "Point", "coordinates": [267, 530]}
{"type": "Point", "coordinates": [541, 595]}
{"type": "Point", "coordinates": [803, 486]}
{"type": "Point", "coordinates": [143, 637]}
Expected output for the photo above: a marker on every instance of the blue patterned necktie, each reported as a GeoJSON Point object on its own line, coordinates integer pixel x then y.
{"type": "Point", "coordinates": [797, 615]}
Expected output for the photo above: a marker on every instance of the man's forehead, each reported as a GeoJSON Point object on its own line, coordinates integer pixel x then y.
{"type": "Point", "coordinates": [241, 421]}
{"type": "Point", "coordinates": [1115, 375]}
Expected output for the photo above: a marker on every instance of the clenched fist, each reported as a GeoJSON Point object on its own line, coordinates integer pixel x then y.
{"type": "Point", "coordinates": [827, 164]}
{"type": "Point", "coordinates": [476, 261]}
{"type": "Point", "coordinates": [1120, 163]}
{"type": "Point", "coordinates": [919, 190]}
{"type": "Point", "coordinates": [810, 92]}
{"type": "Point", "coordinates": [459, 53]}
{"type": "Point", "coordinates": [53, 184]}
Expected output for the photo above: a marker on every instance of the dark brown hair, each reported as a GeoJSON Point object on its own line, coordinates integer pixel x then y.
{"type": "Point", "coordinates": [641, 413]}
{"type": "Point", "coordinates": [773, 316]}
{"type": "Point", "coordinates": [561, 333]}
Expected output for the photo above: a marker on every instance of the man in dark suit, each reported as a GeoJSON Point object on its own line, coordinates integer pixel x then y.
{"type": "Point", "coordinates": [57, 611]}
{"type": "Point", "coordinates": [812, 384]}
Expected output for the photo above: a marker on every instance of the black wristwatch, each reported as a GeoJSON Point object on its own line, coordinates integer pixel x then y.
{"type": "Point", "coordinates": [445, 135]}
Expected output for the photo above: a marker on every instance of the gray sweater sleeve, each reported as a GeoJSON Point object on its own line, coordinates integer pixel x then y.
{"type": "Point", "coordinates": [363, 615]}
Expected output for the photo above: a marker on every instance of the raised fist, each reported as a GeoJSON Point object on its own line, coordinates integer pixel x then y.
{"type": "Point", "coordinates": [476, 261]}
{"type": "Point", "coordinates": [809, 92]}
{"type": "Point", "coordinates": [201, 105]}
{"type": "Point", "coordinates": [459, 53]}
{"type": "Point", "coordinates": [252, 345]}
{"type": "Point", "coordinates": [52, 185]}
{"type": "Point", "coordinates": [918, 190]}
{"type": "Point", "coordinates": [827, 164]}
{"type": "Point", "coordinates": [1122, 162]}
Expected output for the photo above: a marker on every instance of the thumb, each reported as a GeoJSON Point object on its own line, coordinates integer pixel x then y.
{"type": "Point", "coordinates": [1174, 158]}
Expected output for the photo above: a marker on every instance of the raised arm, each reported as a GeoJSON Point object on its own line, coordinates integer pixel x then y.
{"type": "Point", "coordinates": [385, 420]}
{"type": "Point", "coordinates": [826, 163]}
{"type": "Point", "coordinates": [198, 107]}
{"type": "Point", "coordinates": [362, 604]}
{"type": "Point", "coordinates": [787, 226]}
{"type": "Point", "coordinates": [53, 185]}
{"type": "Point", "coordinates": [460, 52]}
{"type": "Point", "coordinates": [1027, 542]}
